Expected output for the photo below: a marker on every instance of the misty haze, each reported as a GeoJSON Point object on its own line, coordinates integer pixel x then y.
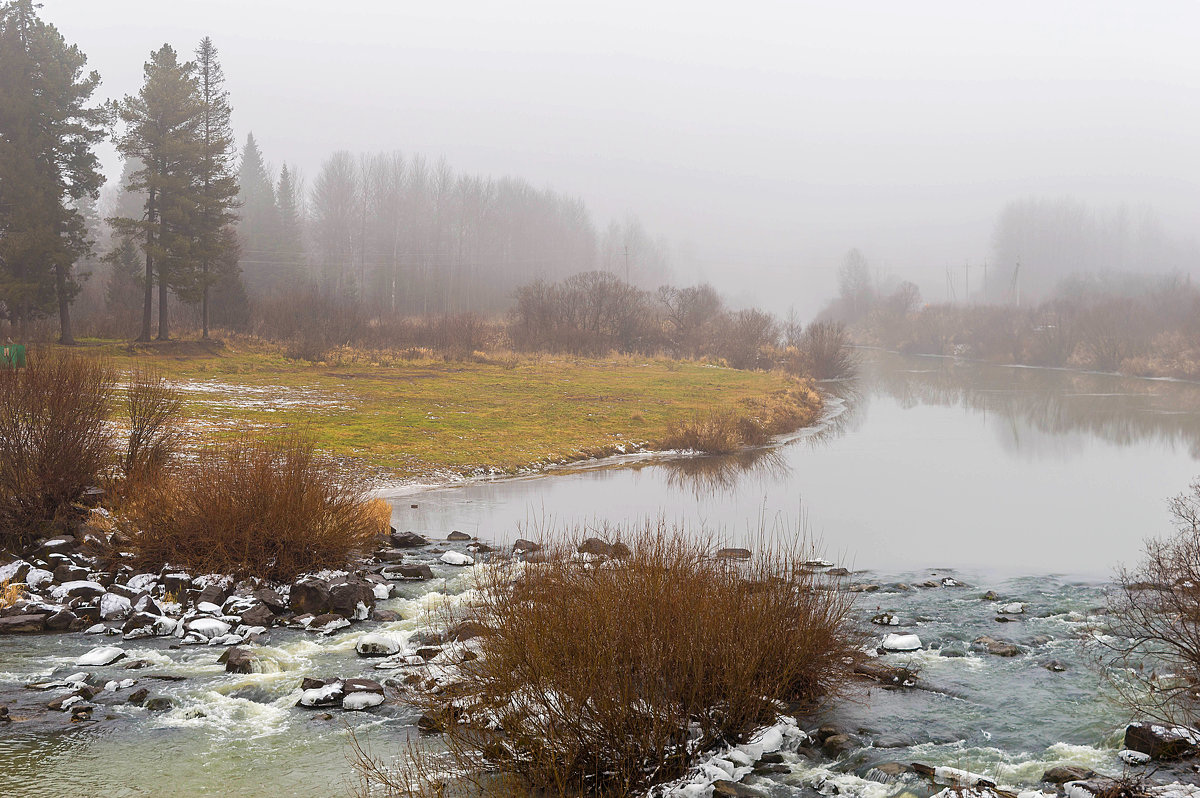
{"type": "Point", "coordinates": [634, 400]}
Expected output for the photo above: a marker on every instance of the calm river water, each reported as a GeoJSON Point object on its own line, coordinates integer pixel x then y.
{"type": "Point", "coordinates": [1032, 483]}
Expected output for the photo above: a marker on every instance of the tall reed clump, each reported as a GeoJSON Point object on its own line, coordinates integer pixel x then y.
{"type": "Point", "coordinates": [604, 678]}
{"type": "Point", "coordinates": [54, 442]}
{"type": "Point", "coordinates": [254, 506]}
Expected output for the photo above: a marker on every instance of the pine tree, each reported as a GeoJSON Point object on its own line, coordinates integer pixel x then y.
{"type": "Point", "coordinates": [217, 186]}
{"type": "Point", "coordinates": [47, 164]}
{"type": "Point", "coordinates": [163, 122]}
{"type": "Point", "coordinates": [259, 225]}
{"type": "Point", "coordinates": [291, 225]}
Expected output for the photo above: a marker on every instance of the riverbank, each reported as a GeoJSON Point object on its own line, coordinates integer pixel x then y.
{"type": "Point", "coordinates": [415, 416]}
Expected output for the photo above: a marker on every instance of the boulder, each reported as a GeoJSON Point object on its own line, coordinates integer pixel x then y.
{"type": "Point", "coordinates": [327, 694]}
{"type": "Point", "coordinates": [896, 642]}
{"type": "Point", "coordinates": [457, 558]}
{"type": "Point", "coordinates": [213, 593]}
{"type": "Point", "coordinates": [80, 588]}
{"type": "Point", "coordinates": [352, 599]}
{"type": "Point", "coordinates": [837, 744]}
{"type": "Point", "coordinates": [22, 624]}
{"type": "Point", "coordinates": [238, 660]}
{"type": "Point", "coordinates": [310, 597]}
{"type": "Point", "coordinates": [421, 571]}
{"type": "Point", "coordinates": [273, 601]}
{"type": "Point", "coordinates": [999, 648]}
{"type": "Point", "coordinates": [61, 621]}
{"type": "Point", "coordinates": [100, 656]}
{"type": "Point", "coordinates": [159, 704]}
{"type": "Point", "coordinates": [595, 547]}
{"type": "Point", "coordinates": [526, 545]}
{"type": "Point", "coordinates": [69, 572]}
{"type": "Point", "coordinates": [176, 585]}
{"type": "Point", "coordinates": [14, 572]}
{"type": "Point", "coordinates": [408, 540]}
{"type": "Point", "coordinates": [458, 536]}
{"type": "Point", "coordinates": [258, 615]}
{"type": "Point", "coordinates": [1061, 774]}
{"type": "Point", "coordinates": [328, 623]}
{"type": "Point", "coordinates": [376, 645]}
{"type": "Point", "coordinates": [464, 631]}
{"type": "Point", "coordinates": [114, 607]}
{"type": "Point", "coordinates": [1162, 741]}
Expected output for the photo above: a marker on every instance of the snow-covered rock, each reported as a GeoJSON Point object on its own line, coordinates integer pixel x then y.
{"type": "Point", "coordinates": [1133, 757]}
{"type": "Point", "coordinates": [79, 587]}
{"type": "Point", "coordinates": [376, 645]}
{"type": "Point", "coordinates": [37, 577]}
{"type": "Point", "coordinates": [1013, 608]}
{"type": "Point", "coordinates": [102, 655]}
{"type": "Point", "coordinates": [360, 701]}
{"type": "Point", "coordinates": [114, 607]}
{"type": "Point", "coordinates": [457, 558]}
{"type": "Point", "coordinates": [326, 696]}
{"type": "Point", "coordinates": [207, 627]}
{"type": "Point", "coordinates": [899, 642]}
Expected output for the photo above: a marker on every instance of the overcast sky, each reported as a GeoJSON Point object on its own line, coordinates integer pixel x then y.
{"type": "Point", "coordinates": [763, 140]}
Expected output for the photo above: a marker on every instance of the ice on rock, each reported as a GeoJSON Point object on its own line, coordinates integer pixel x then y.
{"type": "Point", "coordinates": [1133, 757]}
{"type": "Point", "coordinates": [896, 642]}
{"type": "Point", "coordinates": [382, 592]}
{"type": "Point", "coordinates": [457, 558]}
{"type": "Point", "coordinates": [1014, 608]}
{"type": "Point", "coordinates": [208, 608]}
{"type": "Point", "coordinates": [103, 655]}
{"type": "Point", "coordinates": [142, 581]}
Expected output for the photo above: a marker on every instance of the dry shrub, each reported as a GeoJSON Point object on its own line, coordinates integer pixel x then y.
{"type": "Point", "coordinates": [380, 514]}
{"type": "Point", "coordinates": [54, 442]}
{"type": "Point", "coordinates": [603, 678]}
{"type": "Point", "coordinates": [826, 352]}
{"type": "Point", "coordinates": [155, 430]}
{"type": "Point", "coordinates": [254, 506]}
{"type": "Point", "coordinates": [718, 431]}
{"type": "Point", "coordinates": [1152, 646]}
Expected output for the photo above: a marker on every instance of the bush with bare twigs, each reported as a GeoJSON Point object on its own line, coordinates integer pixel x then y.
{"type": "Point", "coordinates": [253, 507]}
{"type": "Point", "coordinates": [606, 677]}
{"type": "Point", "coordinates": [1152, 643]}
{"type": "Point", "coordinates": [155, 431]}
{"type": "Point", "coordinates": [54, 442]}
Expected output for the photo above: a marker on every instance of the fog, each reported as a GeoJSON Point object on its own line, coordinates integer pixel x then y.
{"type": "Point", "coordinates": [761, 140]}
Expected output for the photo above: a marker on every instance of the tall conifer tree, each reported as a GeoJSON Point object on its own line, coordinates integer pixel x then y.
{"type": "Point", "coordinates": [217, 186]}
{"type": "Point", "coordinates": [47, 164]}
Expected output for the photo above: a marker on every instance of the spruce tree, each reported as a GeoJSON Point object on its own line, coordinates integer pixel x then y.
{"type": "Point", "coordinates": [162, 132]}
{"type": "Point", "coordinates": [47, 164]}
{"type": "Point", "coordinates": [291, 232]}
{"type": "Point", "coordinates": [217, 186]}
{"type": "Point", "coordinates": [259, 225]}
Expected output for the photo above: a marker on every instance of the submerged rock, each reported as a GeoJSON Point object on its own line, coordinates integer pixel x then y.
{"type": "Point", "coordinates": [1061, 774]}
{"type": "Point", "coordinates": [999, 648]}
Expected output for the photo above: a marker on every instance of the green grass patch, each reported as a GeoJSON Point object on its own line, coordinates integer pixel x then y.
{"type": "Point", "coordinates": [410, 418]}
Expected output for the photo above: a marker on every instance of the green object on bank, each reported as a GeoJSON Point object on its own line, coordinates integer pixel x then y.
{"type": "Point", "coordinates": [12, 356]}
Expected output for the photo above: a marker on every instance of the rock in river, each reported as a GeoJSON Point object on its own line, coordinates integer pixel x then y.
{"type": "Point", "coordinates": [457, 558]}
{"type": "Point", "coordinates": [102, 655]}
{"type": "Point", "coordinates": [376, 645]}
{"type": "Point", "coordinates": [1162, 741]}
{"type": "Point", "coordinates": [896, 642]}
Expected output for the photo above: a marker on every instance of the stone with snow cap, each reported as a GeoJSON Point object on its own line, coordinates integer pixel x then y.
{"type": "Point", "coordinates": [901, 642]}
{"type": "Point", "coordinates": [457, 558]}
{"type": "Point", "coordinates": [100, 656]}
{"type": "Point", "coordinates": [376, 645]}
{"type": "Point", "coordinates": [1162, 741]}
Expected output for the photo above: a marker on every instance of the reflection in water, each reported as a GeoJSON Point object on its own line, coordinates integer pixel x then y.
{"type": "Point", "coordinates": [720, 474]}
{"type": "Point", "coordinates": [1040, 408]}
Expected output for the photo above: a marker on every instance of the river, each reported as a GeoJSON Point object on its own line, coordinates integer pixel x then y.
{"type": "Point", "coordinates": [1032, 483]}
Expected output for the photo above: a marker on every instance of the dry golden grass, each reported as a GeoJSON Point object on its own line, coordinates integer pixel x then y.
{"type": "Point", "coordinates": [10, 593]}
{"type": "Point", "coordinates": [753, 422]}
{"type": "Point", "coordinates": [606, 678]}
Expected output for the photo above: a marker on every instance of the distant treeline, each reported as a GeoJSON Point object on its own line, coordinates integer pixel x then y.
{"type": "Point", "coordinates": [1133, 324]}
{"type": "Point", "coordinates": [592, 313]}
{"type": "Point", "coordinates": [199, 234]}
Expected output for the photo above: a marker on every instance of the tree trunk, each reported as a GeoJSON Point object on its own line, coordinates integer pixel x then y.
{"type": "Point", "coordinates": [65, 335]}
{"type": "Point", "coordinates": [204, 303]}
{"type": "Point", "coordinates": [164, 332]}
{"type": "Point", "coordinates": [148, 306]}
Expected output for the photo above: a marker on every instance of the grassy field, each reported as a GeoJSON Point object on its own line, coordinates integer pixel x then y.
{"type": "Point", "coordinates": [421, 416]}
